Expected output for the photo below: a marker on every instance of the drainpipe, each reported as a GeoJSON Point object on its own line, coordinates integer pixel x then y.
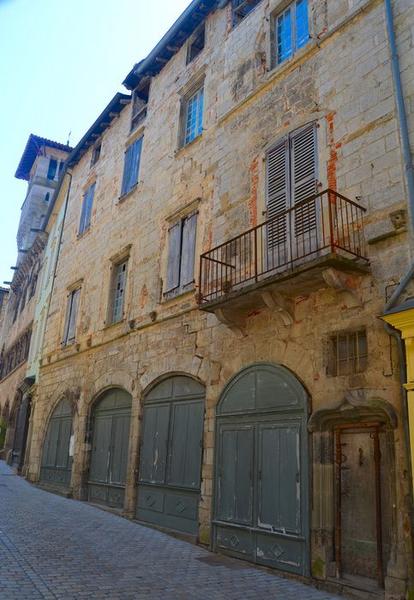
{"type": "Point", "coordinates": [409, 176]}
{"type": "Point", "coordinates": [402, 115]}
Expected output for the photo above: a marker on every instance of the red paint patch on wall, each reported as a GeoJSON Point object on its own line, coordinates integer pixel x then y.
{"type": "Point", "coordinates": [333, 154]}
{"type": "Point", "coordinates": [254, 182]}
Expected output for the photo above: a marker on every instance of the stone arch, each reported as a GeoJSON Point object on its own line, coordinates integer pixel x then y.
{"type": "Point", "coordinates": [357, 406]}
{"type": "Point", "coordinates": [261, 506]}
{"type": "Point", "coordinates": [169, 485]}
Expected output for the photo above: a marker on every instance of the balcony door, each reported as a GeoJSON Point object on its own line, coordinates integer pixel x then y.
{"type": "Point", "coordinates": [291, 177]}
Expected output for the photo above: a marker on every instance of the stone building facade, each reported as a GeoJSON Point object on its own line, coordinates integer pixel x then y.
{"type": "Point", "coordinates": [40, 165]}
{"type": "Point", "coordinates": [213, 362]}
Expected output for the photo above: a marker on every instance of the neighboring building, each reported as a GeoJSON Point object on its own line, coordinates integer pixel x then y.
{"type": "Point", "coordinates": [212, 360]}
{"type": "Point", "coordinates": [40, 165]}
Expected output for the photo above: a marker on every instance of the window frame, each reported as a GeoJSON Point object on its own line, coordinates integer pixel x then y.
{"type": "Point", "coordinates": [187, 286]}
{"type": "Point", "coordinates": [51, 170]}
{"type": "Point", "coordinates": [73, 294]}
{"type": "Point", "coordinates": [237, 19]}
{"type": "Point", "coordinates": [86, 210]}
{"type": "Point", "coordinates": [200, 30]}
{"type": "Point", "coordinates": [353, 361]}
{"type": "Point", "coordinates": [292, 7]}
{"type": "Point", "coordinates": [196, 90]}
{"type": "Point", "coordinates": [96, 153]}
{"type": "Point", "coordinates": [111, 320]}
{"type": "Point", "coordinates": [125, 178]}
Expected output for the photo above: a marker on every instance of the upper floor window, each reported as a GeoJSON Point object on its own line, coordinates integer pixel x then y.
{"type": "Point", "coordinates": [292, 30]}
{"type": "Point", "coordinates": [241, 8]}
{"type": "Point", "coordinates": [140, 98]}
{"type": "Point", "coordinates": [193, 116]}
{"type": "Point", "coordinates": [117, 293]}
{"type": "Point", "coordinates": [131, 166]}
{"type": "Point", "coordinates": [85, 220]}
{"type": "Point", "coordinates": [52, 169]}
{"type": "Point", "coordinates": [61, 165]}
{"type": "Point", "coordinates": [196, 43]}
{"type": "Point", "coordinates": [181, 252]}
{"type": "Point", "coordinates": [69, 331]}
{"type": "Point", "coordinates": [96, 153]}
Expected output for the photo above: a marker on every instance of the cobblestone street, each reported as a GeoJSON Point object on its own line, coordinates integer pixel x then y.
{"type": "Point", "coordinates": [53, 547]}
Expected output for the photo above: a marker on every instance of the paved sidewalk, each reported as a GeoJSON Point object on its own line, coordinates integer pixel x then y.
{"type": "Point", "coordinates": [53, 547]}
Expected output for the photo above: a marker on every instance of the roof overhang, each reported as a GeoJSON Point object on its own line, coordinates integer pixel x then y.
{"type": "Point", "coordinates": [34, 145]}
{"type": "Point", "coordinates": [172, 41]}
{"type": "Point", "coordinates": [104, 120]}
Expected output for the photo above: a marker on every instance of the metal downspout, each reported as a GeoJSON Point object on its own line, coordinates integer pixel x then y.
{"type": "Point", "coordinates": [402, 115]}
{"type": "Point", "coordinates": [409, 175]}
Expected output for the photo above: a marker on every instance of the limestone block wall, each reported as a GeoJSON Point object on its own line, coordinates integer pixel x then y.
{"type": "Point", "coordinates": [342, 80]}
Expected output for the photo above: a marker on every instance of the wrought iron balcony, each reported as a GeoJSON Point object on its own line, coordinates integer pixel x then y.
{"type": "Point", "coordinates": [325, 230]}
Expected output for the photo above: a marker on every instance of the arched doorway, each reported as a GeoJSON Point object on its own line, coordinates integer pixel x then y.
{"type": "Point", "coordinates": [24, 404]}
{"type": "Point", "coordinates": [261, 469]}
{"type": "Point", "coordinates": [111, 418]}
{"type": "Point", "coordinates": [56, 466]}
{"type": "Point", "coordinates": [171, 452]}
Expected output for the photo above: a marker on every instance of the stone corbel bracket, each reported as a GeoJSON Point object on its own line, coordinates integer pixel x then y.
{"type": "Point", "coordinates": [280, 305]}
{"type": "Point", "coordinates": [236, 325]}
{"type": "Point", "coordinates": [339, 281]}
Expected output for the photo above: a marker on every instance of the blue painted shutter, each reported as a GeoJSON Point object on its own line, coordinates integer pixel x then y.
{"type": "Point", "coordinates": [188, 249]}
{"type": "Point", "coordinates": [131, 166]}
{"type": "Point", "coordinates": [86, 213]}
{"type": "Point", "coordinates": [303, 181]}
{"type": "Point", "coordinates": [174, 256]}
{"type": "Point", "coordinates": [51, 171]}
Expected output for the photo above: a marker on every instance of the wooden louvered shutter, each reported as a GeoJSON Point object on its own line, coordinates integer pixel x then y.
{"type": "Point", "coordinates": [174, 256]}
{"type": "Point", "coordinates": [303, 184]}
{"type": "Point", "coordinates": [188, 250]}
{"type": "Point", "coordinates": [88, 202]}
{"type": "Point", "coordinates": [67, 317]}
{"type": "Point", "coordinates": [127, 170]}
{"type": "Point", "coordinates": [277, 201]}
{"type": "Point", "coordinates": [71, 334]}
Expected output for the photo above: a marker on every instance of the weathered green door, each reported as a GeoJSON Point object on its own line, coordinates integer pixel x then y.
{"type": "Point", "coordinates": [261, 498]}
{"type": "Point", "coordinates": [171, 450]}
{"type": "Point", "coordinates": [109, 456]}
{"type": "Point", "coordinates": [56, 466]}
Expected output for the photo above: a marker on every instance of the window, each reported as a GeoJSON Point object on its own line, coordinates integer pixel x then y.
{"type": "Point", "coordinates": [69, 332]}
{"type": "Point", "coordinates": [85, 220]}
{"type": "Point", "coordinates": [96, 153]}
{"type": "Point", "coordinates": [193, 121]}
{"type": "Point", "coordinates": [117, 298]}
{"type": "Point", "coordinates": [61, 165]}
{"type": "Point", "coordinates": [51, 171]}
{"type": "Point", "coordinates": [196, 43]}
{"type": "Point", "coordinates": [47, 197]}
{"type": "Point", "coordinates": [348, 353]}
{"type": "Point", "coordinates": [292, 30]}
{"type": "Point", "coordinates": [291, 168]}
{"type": "Point", "coordinates": [131, 166]}
{"type": "Point", "coordinates": [140, 98]}
{"type": "Point", "coordinates": [241, 8]}
{"type": "Point", "coordinates": [181, 251]}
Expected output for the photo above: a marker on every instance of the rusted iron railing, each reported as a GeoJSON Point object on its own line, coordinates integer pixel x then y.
{"type": "Point", "coordinates": [327, 223]}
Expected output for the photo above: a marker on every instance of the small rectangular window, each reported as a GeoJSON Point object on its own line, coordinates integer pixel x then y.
{"type": "Point", "coordinates": [51, 171]}
{"type": "Point", "coordinates": [131, 166]}
{"type": "Point", "coordinates": [118, 291]}
{"type": "Point", "coordinates": [241, 8]}
{"type": "Point", "coordinates": [348, 353]}
{"type": "Point", "coordinates": [140, 97]}
{"type": "Point", "coordinates": [181, 254]}
{"type": "Point", "coordinates": [85, 220]}
{"type": "Point", "coordinates": [292, 30]}
{"type": "Point", "coordinates": [69, 332]}
{"type": "Point", "coordinates": [193, 121]}
{"type": "Point", "coordinates": [96, 153]}
{"type": "Point", "coordinates": [196, 43]}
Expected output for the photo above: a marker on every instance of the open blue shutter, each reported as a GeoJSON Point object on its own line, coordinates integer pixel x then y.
{"type": "Point", "coordinates": [136, 156]}
{"type": "Point", "coordinates": [303, 178]}
{"type": "Point", "coordinates": [188, 249]}
{"type": "Point", "coordinates": [127, 170]}
{"type": "Point", "coordinates": [174, 257]}
{"type": "Point", "coordinates": [71, 333]}
{"type": "Point", "coordinates": [89, 203]}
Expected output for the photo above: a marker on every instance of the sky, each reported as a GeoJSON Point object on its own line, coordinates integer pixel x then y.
{"type": "Point", "coordinates": [60, 65]}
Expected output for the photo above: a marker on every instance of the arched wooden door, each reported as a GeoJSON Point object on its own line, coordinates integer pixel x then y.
{"type": "Point", "coordinates": [261, 469]}
{"type": "Point", "coordinates": [111, 418]}
{"type": "Point", "coordinates": [56, 466]}
{"type": "Point", "coordinates": [171, 452]}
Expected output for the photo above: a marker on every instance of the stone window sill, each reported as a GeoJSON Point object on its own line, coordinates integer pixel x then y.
{"type": "Point", "coordinates": [129, 193]}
